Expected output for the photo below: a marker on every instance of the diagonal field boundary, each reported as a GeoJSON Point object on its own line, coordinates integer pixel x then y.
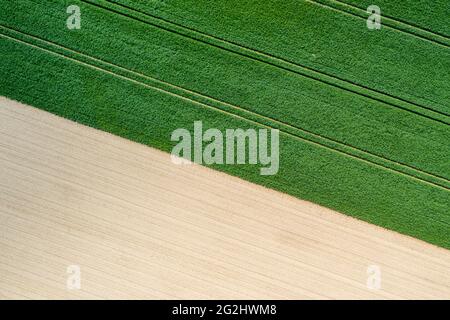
{"type": "Point", "coordinates": [9, 188]}
{"type": "Point", "coordinates": [226, 108]}
{"type": "Point", "coordinates": [117, 150]}
{"type": "Point", "coordinates": [393, 23]}
{"type": "Point", "coordinates": [259, 56]}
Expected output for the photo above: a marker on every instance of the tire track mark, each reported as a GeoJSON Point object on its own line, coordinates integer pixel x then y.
{"type": "Point", "coordinates": [281, 63]}
{"type": "Point", "coordinates": [408, 27]}
{"type": "Point", "coordinates": [223, 107]}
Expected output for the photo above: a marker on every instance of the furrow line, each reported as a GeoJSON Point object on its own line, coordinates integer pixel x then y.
{"type": "Point", "coordinates": [394, 23]}
{"type": "Point", "coordinates": [226, 108]}
{"type": "Point", "coordinates": [281, 63]}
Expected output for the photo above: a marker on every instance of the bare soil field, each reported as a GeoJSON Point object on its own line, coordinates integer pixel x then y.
{"type": "Point", "coordinates": [137, 226]}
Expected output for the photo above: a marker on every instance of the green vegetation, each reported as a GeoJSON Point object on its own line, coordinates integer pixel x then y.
{"type": "Point", "coordinates": [397, 24]}
{"type": "Point", "coordinates": [344, 146]}
{"type": "Point", "coordinates": [432, 16]}
{"type": "Point", "coordinates": [325, 40]}
{"type": "Point", "coordinates": [298, 101]}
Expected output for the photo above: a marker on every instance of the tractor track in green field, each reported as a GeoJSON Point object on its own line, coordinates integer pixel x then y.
{"type": "Point", "coordinates": [224, 107]}
{"type": "Point", "coordinates": [262, 57]}
{"type": "Point", "coordinates": [392, 22]}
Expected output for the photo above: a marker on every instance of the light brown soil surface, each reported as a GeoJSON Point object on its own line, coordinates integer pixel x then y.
{"type": "Point", "coordinates": [139, 226]}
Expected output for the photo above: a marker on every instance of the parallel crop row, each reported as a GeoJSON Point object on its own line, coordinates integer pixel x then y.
{"type": "Point", "coordinates": [344, 146]}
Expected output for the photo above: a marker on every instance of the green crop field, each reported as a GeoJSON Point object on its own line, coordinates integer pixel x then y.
{"type": "Point", "coordinates": [415, 13]}
{"type": "Point", "coordinates": [364, 115]}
